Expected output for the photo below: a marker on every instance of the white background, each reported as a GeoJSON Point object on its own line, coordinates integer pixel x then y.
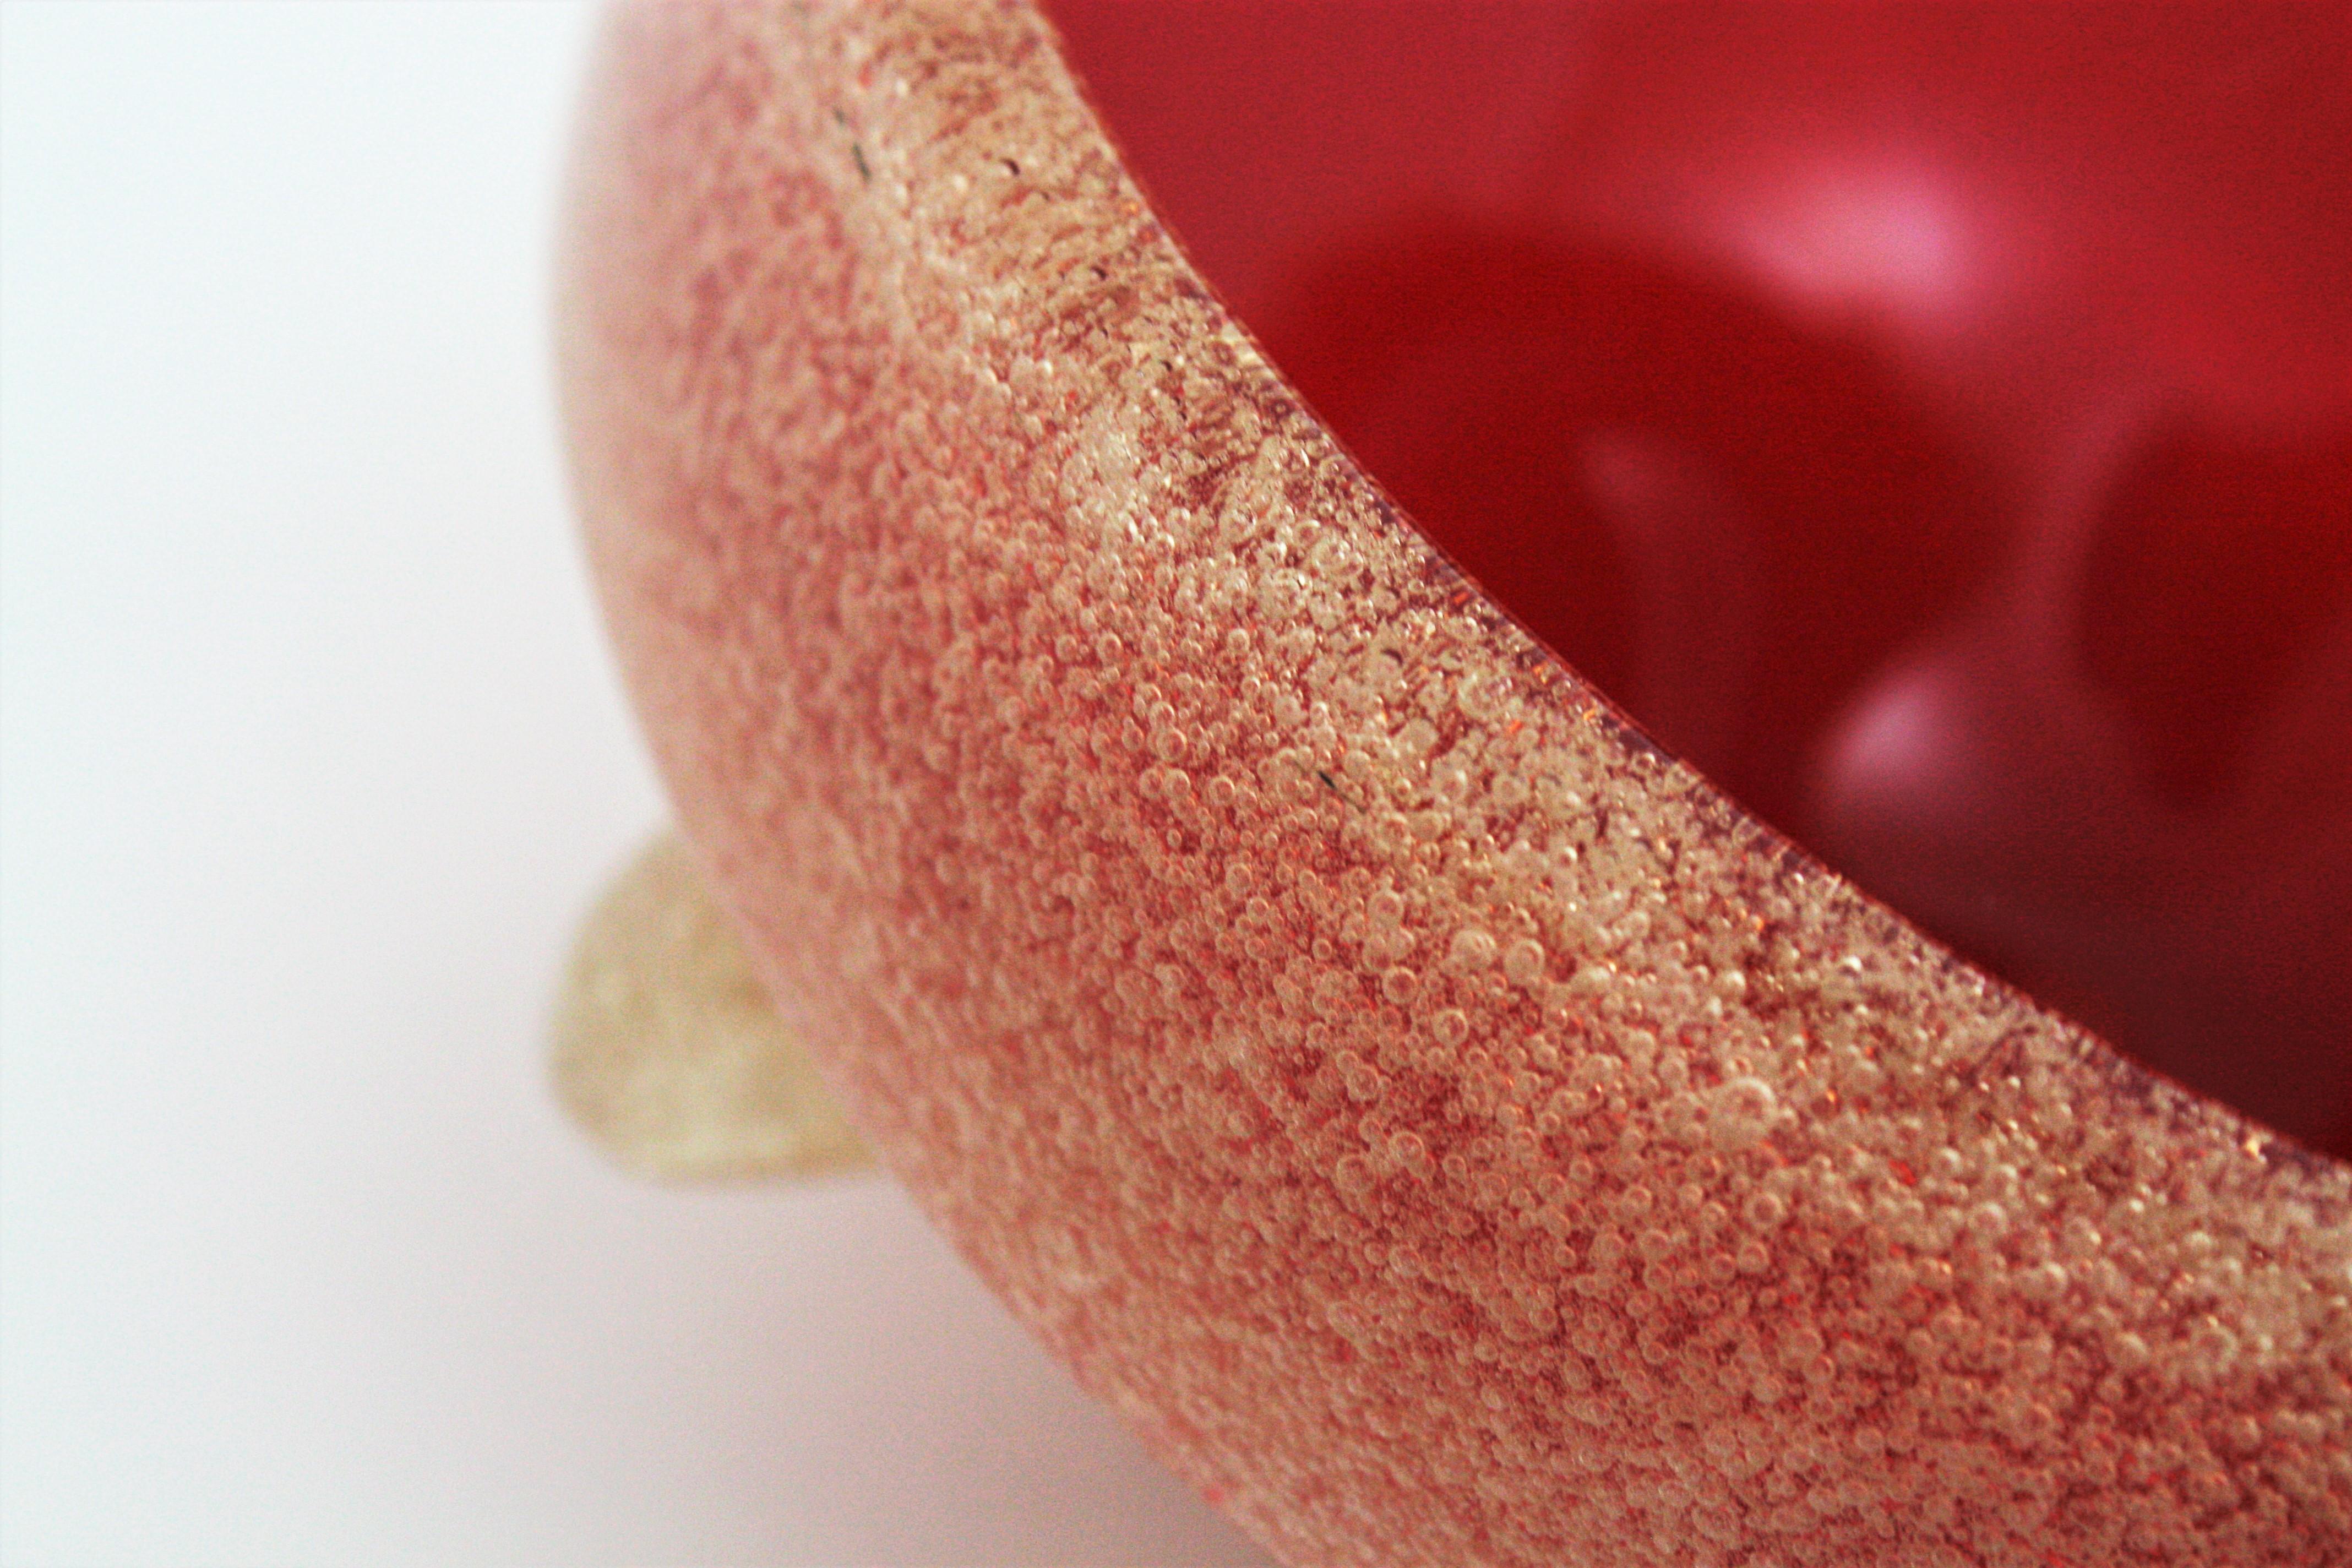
{"type": "Point", "coordinates": [312, 758]}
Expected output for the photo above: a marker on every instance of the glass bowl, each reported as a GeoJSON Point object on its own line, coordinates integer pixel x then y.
{"type": "Point", "coordinates": [1447, 1125]}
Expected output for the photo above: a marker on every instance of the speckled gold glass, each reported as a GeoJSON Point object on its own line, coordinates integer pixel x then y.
{"type": "Point", "coordinates": [1447, 1129]}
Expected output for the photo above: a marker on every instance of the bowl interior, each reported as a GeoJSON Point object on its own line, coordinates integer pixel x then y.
{"type": "Point", "coordinates": [1933, 421]}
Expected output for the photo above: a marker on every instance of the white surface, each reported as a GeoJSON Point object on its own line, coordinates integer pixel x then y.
{"type": "Point", "coordinates": [311, 756]}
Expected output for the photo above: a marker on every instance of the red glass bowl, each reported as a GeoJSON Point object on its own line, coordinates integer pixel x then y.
{"type": "Point", "coordinates": [1445, 1125]}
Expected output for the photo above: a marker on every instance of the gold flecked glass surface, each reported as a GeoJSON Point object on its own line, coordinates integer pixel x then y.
{"type": "Point", "coordinates": [1445, 1128]}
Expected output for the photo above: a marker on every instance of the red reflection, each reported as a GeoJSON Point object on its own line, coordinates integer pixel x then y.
{"type": "Point", "coordinates": [1936, 421]}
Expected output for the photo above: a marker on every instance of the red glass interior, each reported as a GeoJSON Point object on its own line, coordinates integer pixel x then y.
{"type": "Point", "coordinates": [1933, 421]}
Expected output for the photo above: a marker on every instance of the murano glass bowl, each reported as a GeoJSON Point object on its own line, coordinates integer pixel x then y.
{"type": "Point", "coordinates": [1454, 1121]}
